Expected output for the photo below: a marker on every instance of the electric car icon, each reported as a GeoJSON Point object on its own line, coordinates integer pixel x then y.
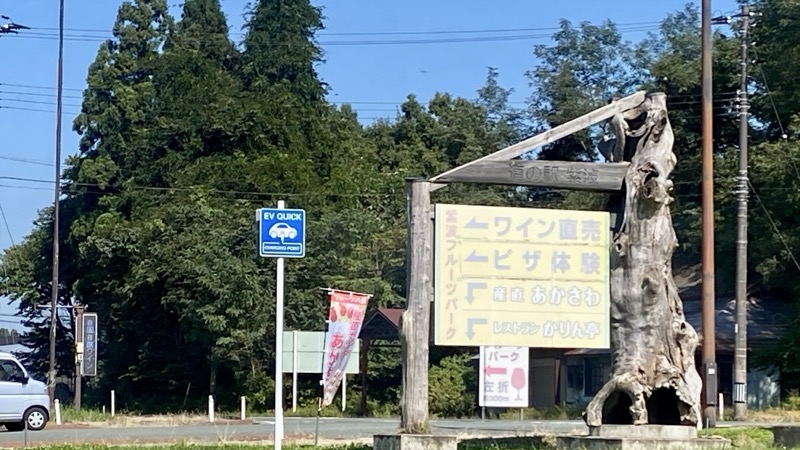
{"type": "Point", "coordinates": [282, 231]}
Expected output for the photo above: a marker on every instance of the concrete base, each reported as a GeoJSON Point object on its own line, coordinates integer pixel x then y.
{"type": "Point", "coordinates": [609, 443]}
{"type": "Point", "coordinates": [786, 436]}
{"type": "Point", "coordinates": [644, 437]}
{"type": "Point", "coordinates": [414, 442]}
{"type": "Point", "coordinates": [644, 431]}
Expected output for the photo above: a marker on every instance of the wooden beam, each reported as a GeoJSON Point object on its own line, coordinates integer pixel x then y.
{"type": "Point", "coordinates": [415, 323]}
{"type": "Point", "coordinates": [363, 364]}
{"type": "Point", "coordinates": [582, 176]}
{"type": "Point", "coordinates": [552, 134]}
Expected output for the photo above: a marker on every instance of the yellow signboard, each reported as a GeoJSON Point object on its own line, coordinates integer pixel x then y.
{"type": "Point", "coordinates": [521, 277]}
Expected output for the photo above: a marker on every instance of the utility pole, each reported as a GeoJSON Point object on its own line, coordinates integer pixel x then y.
{"type": "Point", "coordinates": [78, 354]}
{"type": "Point", "coordinates": [708, 294]}
{"type": "Point", "coordinates": [51, 379]}
{"type": "Point", "coordinates": [740, 329]}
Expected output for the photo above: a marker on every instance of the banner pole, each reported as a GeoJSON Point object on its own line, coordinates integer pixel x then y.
{"type": "Point", "coordinates": [319, 412]}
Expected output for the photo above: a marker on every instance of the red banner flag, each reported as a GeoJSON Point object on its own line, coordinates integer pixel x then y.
{"type": "Point", "coordinates": [344, 323]}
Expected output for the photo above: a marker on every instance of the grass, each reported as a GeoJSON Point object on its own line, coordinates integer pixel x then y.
{"type": "Point", "coordinates": [197, 447]}
{"type": "Point", "coordinates": [744, 438]}
{"type": "Point", "coordinates": [72, 415]}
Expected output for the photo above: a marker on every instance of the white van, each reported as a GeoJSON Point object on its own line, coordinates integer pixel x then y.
{"type": "Point", "coordinates": [22, 399]}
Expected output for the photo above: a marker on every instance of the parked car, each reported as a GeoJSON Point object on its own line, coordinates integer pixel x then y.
{"type": "Point", "coordinates": [23, 400]}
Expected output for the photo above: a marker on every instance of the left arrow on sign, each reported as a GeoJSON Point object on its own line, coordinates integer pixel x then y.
{"type": "Point", "coordinates": [474, 257]}
{"type": "Point", "coordinates": [473, 223]}
{"type": "Point", "coordinates": [489, 370]}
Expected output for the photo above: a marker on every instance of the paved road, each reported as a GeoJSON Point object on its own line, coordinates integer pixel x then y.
{"type": "Point", "coordinates": [297, 428]}
{"type": "Point", "coordinates": [262, 429]}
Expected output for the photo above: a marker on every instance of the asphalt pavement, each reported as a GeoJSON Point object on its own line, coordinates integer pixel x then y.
{"type": "Point", "coordinates": [296, 428]}
{"type": "Point", "coordinates": [261, 428]}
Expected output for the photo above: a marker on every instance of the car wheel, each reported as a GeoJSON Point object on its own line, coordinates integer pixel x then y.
{"type": "Point", "coordinates": [292, 234]}
{"type": "Point", "coordinates": [36, 418]}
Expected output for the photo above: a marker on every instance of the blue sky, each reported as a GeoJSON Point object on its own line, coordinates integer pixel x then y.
{"type": "Point", "coordinates": [373, 76]}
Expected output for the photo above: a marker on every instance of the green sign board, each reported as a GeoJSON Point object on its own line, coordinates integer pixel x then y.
{"type": "Point", "coordinates": [307, 348]}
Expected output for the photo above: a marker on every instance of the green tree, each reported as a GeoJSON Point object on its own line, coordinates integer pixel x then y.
{"type": "Point", "coordinates": [775, 57]}
{"type": "Point", "coordinates": [588, 66]}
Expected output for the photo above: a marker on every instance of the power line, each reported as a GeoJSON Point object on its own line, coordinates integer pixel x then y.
{"type": "Point", "coordinates": [5, 221]}
{"type": "Point", "coordinates": [775, 226]}
{"type": "Point", "coordinates": [675, 100]}
{"type": "Point", "coordinates": [362, 42]}
{"type": "Point", "coordinates": [26, 160]}
{"type": "Point", "coordinates": [391, 33]}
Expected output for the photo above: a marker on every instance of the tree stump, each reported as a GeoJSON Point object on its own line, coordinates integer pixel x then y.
{"type": "Point", "coordinates": [654, 379]}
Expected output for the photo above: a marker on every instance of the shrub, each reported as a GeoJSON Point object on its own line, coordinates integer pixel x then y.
{"type": "Point", "coordinates": [453, 384]}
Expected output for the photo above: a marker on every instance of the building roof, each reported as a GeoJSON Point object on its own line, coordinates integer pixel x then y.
{"type": "Point", "coordinates": [383, 324]}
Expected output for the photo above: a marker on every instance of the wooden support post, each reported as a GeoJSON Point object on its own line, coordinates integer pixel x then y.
{"type": "Point", "coordinates": [364, 369]}
{"type": "Point", "coordinates": [78, 310]}
{"type": "Point", "coordinates": [415, 323]}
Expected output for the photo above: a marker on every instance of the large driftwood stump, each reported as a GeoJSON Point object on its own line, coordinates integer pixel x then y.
{"type": "Point", "coordinates": [654, 379]}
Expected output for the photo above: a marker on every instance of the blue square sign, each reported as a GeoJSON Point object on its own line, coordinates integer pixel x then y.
{"type": "Point", "coordinates": [282, 233]}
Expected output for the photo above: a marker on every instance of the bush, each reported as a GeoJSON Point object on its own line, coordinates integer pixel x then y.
{"type": "Point", "coordinates": [453, 384]}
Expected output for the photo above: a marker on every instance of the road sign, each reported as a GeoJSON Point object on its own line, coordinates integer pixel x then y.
{"type": "Point", "coordinates": [303, 352]}
{"type": "Point", "coordinates": [503, 378]}
{"type": "Point", "coordinates": [89, 361]}
{"type": "Point", "coordinates": [521, 277]}
{"type": "Point", "coordinates": [282, 233]}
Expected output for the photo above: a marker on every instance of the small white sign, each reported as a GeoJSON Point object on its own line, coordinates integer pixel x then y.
{"type": "Point", "coordinates": [503, 378]}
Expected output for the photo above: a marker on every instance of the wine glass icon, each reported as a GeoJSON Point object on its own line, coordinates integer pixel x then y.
{"type": "Point", "coordinates": [518, 381]}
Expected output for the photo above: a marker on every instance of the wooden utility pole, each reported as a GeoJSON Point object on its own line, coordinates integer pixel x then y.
{"type": "Point", "coordinates": [78, 354]}
{"type": "Point", "coordinates": [415, 323]}
{"type": "Point", "coordinates": [51, 374]}
{"type": "Point", "coordinates": [740, 343]}
{"type": "Point", "coordinates": [708, 294]}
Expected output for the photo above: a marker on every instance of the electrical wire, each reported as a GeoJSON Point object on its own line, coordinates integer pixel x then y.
{"type": "Point", "coordinates": [391, 33]}
{"type": "Point", "coordinates": [774, 225]}
{"type": "Point", "coordinates": [5, 221]}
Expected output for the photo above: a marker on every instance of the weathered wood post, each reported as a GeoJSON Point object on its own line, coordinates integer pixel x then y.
{"type": "Point", "coordinates": [415, 324]}
{"type": "Point", "coordinates": [654, 379]}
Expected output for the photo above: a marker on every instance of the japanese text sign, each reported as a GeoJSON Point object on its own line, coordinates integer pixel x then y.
{"type": "Point", "coordinates": [503, 378]}
{"type": "Point", "coordinates": [346, 315]}
{"type": "Point", "coordinates": [89, 361]}
{"type": "Point", "coordinates": [521, 277]}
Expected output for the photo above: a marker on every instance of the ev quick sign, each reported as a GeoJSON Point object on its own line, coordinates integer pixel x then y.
{"type": "Point", "coordinates": [282, 233]}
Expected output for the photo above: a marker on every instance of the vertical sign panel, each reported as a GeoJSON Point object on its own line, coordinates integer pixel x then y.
{"type": "Point", "coordinates": [521, 277]}
{"type": "Point", "coordinates": [345, 316]}
{"type": "Point", "coordinates": [89, 362]}
{"type": "Point", "coordinates": [281, 233]}
{"type": "Point", "coordinates": [503, 379]}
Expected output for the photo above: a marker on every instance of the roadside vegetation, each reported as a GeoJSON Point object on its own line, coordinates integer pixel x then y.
{"type": "Point", "coordinates": [741, 438]}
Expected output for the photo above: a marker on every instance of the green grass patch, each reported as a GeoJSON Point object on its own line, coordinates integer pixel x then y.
{"type": "Point", "coordinates": [72, 415]}
{"type": "Point", "coordinates": [569, 412]}
{"type": "Point", "coordinates": [741, 437]}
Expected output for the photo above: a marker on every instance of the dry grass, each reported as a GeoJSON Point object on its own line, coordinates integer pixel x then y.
{"type": "Point", "coordinates": [165, 420]}
{"type": "Point", "coordinates": [773, 415]}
